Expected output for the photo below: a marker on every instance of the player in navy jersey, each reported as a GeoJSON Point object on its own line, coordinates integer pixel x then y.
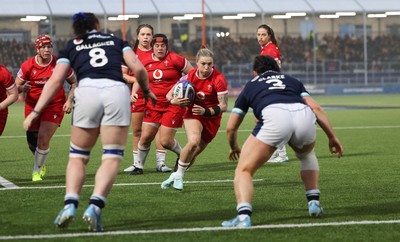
{"type": "Point", "coordinates": [102, 107]}
{"type": "Point", "coordinates": [269, 46]}
{"type": "Point", "coordinates": [286, 115]}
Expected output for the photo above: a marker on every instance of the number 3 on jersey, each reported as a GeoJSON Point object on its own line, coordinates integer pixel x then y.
{"type": "Point", "coordinates": [276, 84]}
{"type": "Point", "coordinates": [99, 57]}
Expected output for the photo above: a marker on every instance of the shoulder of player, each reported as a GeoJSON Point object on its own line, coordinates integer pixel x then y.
{"type": "Point", "coordinates": [93, 38]}
{"type": "Point", "coordinates": [177, 60]}
{"type": "Point", "coordinates": [192, 72]}
{"type": "Point", "coordinates": [29, 63]}
{"type": "Point", "coordinates": [174, 55]}
{"type": "Point", "coordinates": [217, 73]}
{"type": "Point", "coordinates": [146, 59]}
{"type": "Point", "coordinates": [141, 54]}
{"type": "Point", "coordinates": [3, 71]}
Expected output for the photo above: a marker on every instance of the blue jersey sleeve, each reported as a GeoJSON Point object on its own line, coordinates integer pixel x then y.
{"type": "Point", "coordinates": [241, 106]}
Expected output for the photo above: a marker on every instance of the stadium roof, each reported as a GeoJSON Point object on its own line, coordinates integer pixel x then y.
{"type": "Point", "coordinates": [17, 8]}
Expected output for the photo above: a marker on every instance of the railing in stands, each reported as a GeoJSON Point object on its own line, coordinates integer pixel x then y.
{"type": "Point", "coordinates": [330, 72]}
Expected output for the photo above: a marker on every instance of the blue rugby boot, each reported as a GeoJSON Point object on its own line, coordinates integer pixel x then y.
{"type": "Point", "coordinates": [314, 209]}
{"type": "Point", "coordinates": [240, 221]}
{"type": "Point", "coordinates": [168, 183]}
{"type": "Point", "coordinates": [65, 216]}
{"type": "Point", "coordinates": [93, 219]}
{"type": "Point", "coordinates": [178, 183]}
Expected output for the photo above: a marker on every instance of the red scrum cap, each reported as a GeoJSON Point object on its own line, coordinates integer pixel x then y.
{"type": "Point", "coordinates": [159, 38]}
{"type": "Point", "coordinates": [43, 39]}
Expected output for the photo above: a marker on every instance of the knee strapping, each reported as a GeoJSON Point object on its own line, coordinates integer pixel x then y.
{"type": "Point", "coordinates": [31, 138]}
{"type": "Point", "coordinates": [113, 151]}
{"type": "Point", "coordinates": [308, 161]}
{"type": "Point", "coordinates": [78, 152]}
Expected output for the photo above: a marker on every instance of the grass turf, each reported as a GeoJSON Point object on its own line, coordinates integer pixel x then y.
{"type": "Point", "coordinates": [361, 186]}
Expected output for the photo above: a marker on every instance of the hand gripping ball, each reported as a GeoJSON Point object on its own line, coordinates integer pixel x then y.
{"type": "Point", "coordinates": [184, 89]}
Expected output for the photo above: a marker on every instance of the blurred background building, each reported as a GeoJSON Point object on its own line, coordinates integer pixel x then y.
{"type": "Point", "coordinates": [334, 47]}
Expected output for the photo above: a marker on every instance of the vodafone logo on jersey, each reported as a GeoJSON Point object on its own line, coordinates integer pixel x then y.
{"type": "Point", "coordinates": [157, 75]}
{"type": "Point", "coordinates": [201, 95]}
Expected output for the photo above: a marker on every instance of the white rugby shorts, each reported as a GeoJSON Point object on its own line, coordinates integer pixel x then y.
{"type": "Point", "coordinates": [101, 102]}
{"type": "Point", "coordinates": [284, 123]}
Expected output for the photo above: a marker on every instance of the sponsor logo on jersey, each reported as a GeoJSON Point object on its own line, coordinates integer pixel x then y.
{"type": "Point", "coordinates": [157, 75]}
{"type": "Point", "coordinates": [201, 95]}
{"type": "Point", "coordinates": [78, 41]}
{"type": "Point", "coordinates": [41, 82]}
{"type": "Point", "coordinates": [99, 36]}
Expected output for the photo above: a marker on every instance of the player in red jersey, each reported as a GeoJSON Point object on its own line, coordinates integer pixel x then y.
{"type": "Point", "coordinates": [8, 95]}
{"type": "Point", "coordinates": [269, 46]}
{"type": "Point", "coordinates": [165, 69]}
{"type": "Point", "coordinates": [31, 79]}
{"type": "Point", "coordinates": [203, 118]}
{"type": "Point", "coordinates": [142, 48]}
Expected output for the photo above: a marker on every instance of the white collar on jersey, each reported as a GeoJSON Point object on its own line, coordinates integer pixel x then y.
{"type": "Point", "coordinates": [197, 74]}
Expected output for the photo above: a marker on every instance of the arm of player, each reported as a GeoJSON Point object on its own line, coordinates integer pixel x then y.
{"type": "Point", "coordinates": [141, 74]}
{"type": "Point", "coordinates": [12, 96]}
{"type": "Point", "coordinates": [223, 102]}
{"type": "Point", "coordinates": [232, 127]}
{"type": "Point", "coordinates": [135, 90]}
{"type": "Point", "coordinates": [215, 110]}
{"type": "Point", "coordinates": [70, 99]}
{"type": "Point", "coordinates": [22, 86]}
{"type": "Point", "coordinates": [50, 89]}
{"type": "Point", "coordinates": [169, 95]}
{"type": "Point", "coordinates": [131, 80]}
{"type": "Point", "coordinates": [125, 75]}
{"type": "Point", "coordinates": [188, 67]}
{"type": "Point", "coordinates": [322, 119]}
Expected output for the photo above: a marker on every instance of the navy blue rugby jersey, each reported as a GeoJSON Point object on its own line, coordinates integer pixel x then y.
{"type": "Point", "coordinates": [269, 88]}
{"type": "Point", "coordinates": [97, 55]}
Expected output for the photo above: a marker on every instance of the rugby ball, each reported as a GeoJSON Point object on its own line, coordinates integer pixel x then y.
{"type": "Point", "coordinates": [184, 89]}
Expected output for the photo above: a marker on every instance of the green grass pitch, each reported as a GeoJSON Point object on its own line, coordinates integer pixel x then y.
{"type": "Point", "coordinates": [359, 192]}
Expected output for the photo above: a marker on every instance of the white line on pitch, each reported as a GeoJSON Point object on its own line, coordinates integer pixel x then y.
{"type": "Point", "coordinates": [122, 184]}
{"type": "Point", "coordinates": [158, 231]}
{"type": "Point", "coordinates": [7, 184]}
